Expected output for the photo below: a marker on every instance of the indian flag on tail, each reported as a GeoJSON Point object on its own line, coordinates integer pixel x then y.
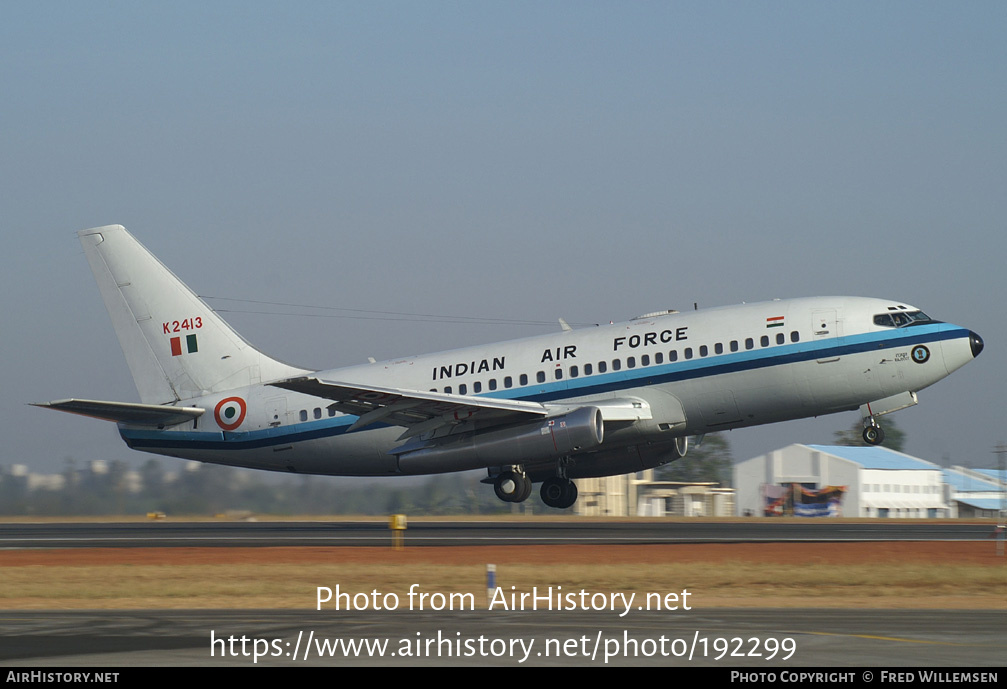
{"type": "Point", "coordinates": [774, 322]}
{"type": "Point", "coordinates": [190, 345]}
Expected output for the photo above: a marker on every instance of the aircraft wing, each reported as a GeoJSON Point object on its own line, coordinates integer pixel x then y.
{"type": "Point", "coordinates": [416, 410]}
{"type": "Point", "coordinates": [126, 412]}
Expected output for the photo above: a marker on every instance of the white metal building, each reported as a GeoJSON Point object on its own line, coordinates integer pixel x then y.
{"type": "Point", "coordinates": [856, 482]}
{"type": "Point", "coordinates": [974, 492]}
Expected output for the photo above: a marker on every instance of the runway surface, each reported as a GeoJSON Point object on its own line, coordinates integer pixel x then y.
{"type": "Point", "coordinates": [710, 637]}
{"type": "Point", "coordinates": [755, 639]}
{"type": "Point", "coordinates": [468, 533]}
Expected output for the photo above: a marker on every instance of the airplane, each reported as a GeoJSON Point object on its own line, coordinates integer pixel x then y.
{"type": "Point", "coordinates": [586, 402]}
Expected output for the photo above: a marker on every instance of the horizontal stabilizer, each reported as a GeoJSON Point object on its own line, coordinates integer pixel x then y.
{"type": "Point", "coordinates": [126, 412]}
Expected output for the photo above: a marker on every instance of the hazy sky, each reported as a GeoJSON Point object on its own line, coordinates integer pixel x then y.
{"type": "Point", "coordinates": [504, 159]}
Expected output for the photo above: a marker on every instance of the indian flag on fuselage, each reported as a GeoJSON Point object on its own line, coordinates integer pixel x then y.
{"type": "Point", "coordinates": [190, 345]}
{"type": "Point", "coordinates": [774, 322]}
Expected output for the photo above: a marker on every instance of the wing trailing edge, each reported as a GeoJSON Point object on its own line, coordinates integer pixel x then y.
{"type": "Point", "coordinates": [421, 412]}
{"type": "Point", "coordinates": [415, 410]}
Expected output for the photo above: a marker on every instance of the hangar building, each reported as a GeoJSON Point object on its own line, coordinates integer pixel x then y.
{"type": "Point", "coordinates": [834, 480]}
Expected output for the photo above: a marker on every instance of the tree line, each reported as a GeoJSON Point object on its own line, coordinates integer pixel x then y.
{"type": "Point", "coordinates": [212, 489]}
{"type": "Point", "coordinates": [206, 489]}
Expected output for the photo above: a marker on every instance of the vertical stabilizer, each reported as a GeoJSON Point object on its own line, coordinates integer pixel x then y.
{"type": "Point", "coordinates": [177, 348]}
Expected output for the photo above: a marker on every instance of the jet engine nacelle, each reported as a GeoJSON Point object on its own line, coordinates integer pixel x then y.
{"type": "Point", "coordinates": [627, 460]}
{"type": "Point", "coordinates": [544, 440]}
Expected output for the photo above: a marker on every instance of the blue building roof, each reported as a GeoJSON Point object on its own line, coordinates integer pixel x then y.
{"type": "Point", "coordinates": [994, 473]}
{"type": "Point", "coordinates": [982, 503]}
{"type": "Point", "coordinates": [968, 484]}
{"type": "Point", "coordinates": [875, 457]}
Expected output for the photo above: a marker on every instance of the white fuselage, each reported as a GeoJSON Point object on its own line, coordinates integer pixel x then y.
{"type": "Point", "coordinates": [694, 372]}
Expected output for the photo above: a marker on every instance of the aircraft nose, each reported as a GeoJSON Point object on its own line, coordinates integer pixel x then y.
{"type": "Point", "coordinates": [976, 343]}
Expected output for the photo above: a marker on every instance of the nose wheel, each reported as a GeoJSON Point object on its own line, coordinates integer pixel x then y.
{"type": "Point", "coordinates": [874, 434]}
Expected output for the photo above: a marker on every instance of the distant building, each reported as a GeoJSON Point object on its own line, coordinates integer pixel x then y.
{"type": "Point", "coordinates": [35, 481]}
{"type": "Point", "coordinates": [639, 495]}
{"type": "Point", "coordinates": [975, 492]}
{"type": "Point", "coordinates": [838, 480]}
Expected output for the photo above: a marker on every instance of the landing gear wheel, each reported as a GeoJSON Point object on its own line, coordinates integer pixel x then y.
{"type": "Point", "coordinates": [558, 492]}
{"type": "Point", "coordinates": [874, 435]}
{"type": "Point", "coordinates": [552, 491]}
{"type": "Point", "coordinates": [569, 495]}
{"type": "Point", "coordinates": [526, 488]}
{"type": "Point", "coordinates": [511, 486]}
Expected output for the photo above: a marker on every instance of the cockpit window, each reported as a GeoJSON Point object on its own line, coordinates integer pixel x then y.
{"type": "Point", "coordinates": [901, 319]}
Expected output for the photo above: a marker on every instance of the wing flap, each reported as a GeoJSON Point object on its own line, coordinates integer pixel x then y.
{"type": "Point", "coordinates": [412, 409]}
{"type": "Point", "coordinates": [126, 412]}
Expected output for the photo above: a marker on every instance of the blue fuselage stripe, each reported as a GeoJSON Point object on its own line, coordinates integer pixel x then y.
{"type": "Point", "coordinates": [775, 355]}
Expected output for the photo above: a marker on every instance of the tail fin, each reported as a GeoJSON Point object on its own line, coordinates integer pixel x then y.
{"type": "Point", "coordinates": [177, 348]}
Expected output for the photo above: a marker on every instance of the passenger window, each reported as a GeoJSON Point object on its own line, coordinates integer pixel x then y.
{"type": "Point", "coordinates": [540, 376]}
{"type": "Point", "coordinates": [602, 366]}
{"type": "Point", "coordinates": [734, 345]}
{"type": "Point", "coordinates": [524, 379]}
{"type": "Point", "coordinates": [558, 373]}
{"type": "Point", "coordinates": [616, 364]}
{"type": "Point", "coordinates": [493, 383]}
{"type": "Point", "coordinates": [508, 382]}
{"type": "Point", "coordinates": [673, 355]}
{"type": "Point", "coordinates": [688, 352]}
{"type": "Point", "coordinates": [463, 389]}
{"type": "Point", "coordinates": [631, 362]}
{"type": "Point", "coordinates": [318, 412]}
{"type": "Point", "coordinates": [718, 348]}
{"type": "Point", "coordinates": [749, 343]}
{"type": "Point", "coordinates": [588, 369]}
{"type": "Point", "coordinates": [304, 415]}
{"type": "Point", "coordinates": [447, 389]}
{"type": "Point", "coordinates": [764, 340]}
{"type": "Point", "coordinates": [780, 338]}
{"type": "Point", "coordinates": [645, 360]}
{"type": "Point", "coordinates": [659, 358]}
{"type": "Point", "coordinates": [477, 387]}
{"type": "Point", "coordinates": [573, 372]}
{"type": "Point", "coordinates": [795, 336]}
{"type": "Point", "coordinates": [703, 350]}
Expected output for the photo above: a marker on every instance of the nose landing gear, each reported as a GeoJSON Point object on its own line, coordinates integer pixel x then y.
{"type": "Point", "coordinates": [873, 433]}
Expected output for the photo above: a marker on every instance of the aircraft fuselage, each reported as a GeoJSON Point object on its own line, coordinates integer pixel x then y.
{"type": "Point", "coordinates": [594, 401]}
{"type": "Point", "coordinates": [698, 372]}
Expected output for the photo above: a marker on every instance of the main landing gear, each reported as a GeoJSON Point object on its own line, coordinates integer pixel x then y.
{"type": "Point", "coordinates": [558, 492]}
{"type": "Point", "coordinates": [512, 485]}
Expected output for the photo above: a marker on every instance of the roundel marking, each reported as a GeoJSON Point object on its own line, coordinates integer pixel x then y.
{"type": "Point", "coordinates": [229, 413]}
{"type": "Point", "coordinates": [920, 354]}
